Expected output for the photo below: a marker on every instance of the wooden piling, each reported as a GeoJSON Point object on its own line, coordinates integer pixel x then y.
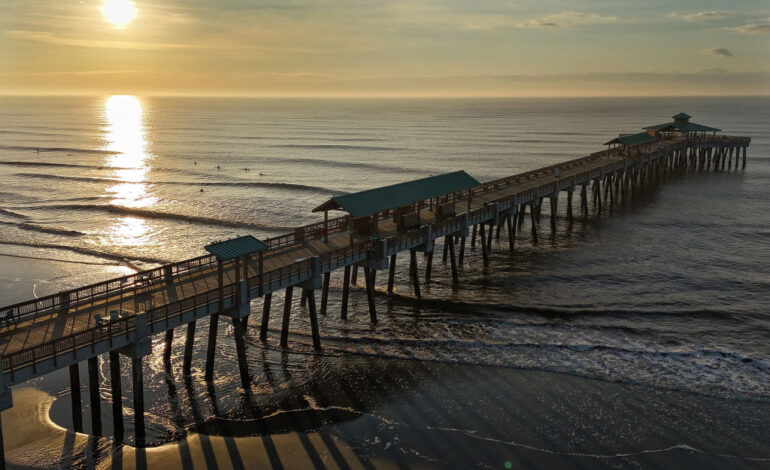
{"type": "Point", "coordinates": [303, 298]}
{"type": "Point", "coordinates": [211, 350]}
{"type": "Point", "coordinates": [117, 396]}
{"type": "Point", "coordinates": [511, 230]}
{"type": "Point", "coordinates": [325, 292]}
{"type": "Point", "coordinates": [533, 220]}
{"type": "Point", "coordinates": [93, 388]}
{"type": "Point", "coordinates": [167, 345]}
{"type": "Point", "coordinates": [286, 316]}
{"type": "Point", "coordinates": [569, 203]}
{"type": "Point", "coordinates": [188, 348]}
{"type": "Point", "coordinates": [138, 389]}
{"type": "Point", "coordinates": [554, 200]}
{"type": "Point", "coordinates": [240, 350]}
{"type": "Point", "coordinates": [413, 271]}
{"type": "Point", "coordinates": [311, 310]}
{"type": "Point", "coordinates": [484, 250]}
{"type": "Point", "coordinates": [354, 277]}
{"type": "Point", "coordinates": [473, 237]}
{"type": "Point", "coordinates": [489, 237]}
{"type": "Point", "coordinates": [429, 263]}
{"type": "Point", "coordinates": [77, 409]}
{"type": "Point", "coordinates": [369, 275]}
{"type": "Point", "coordinates": [450, 242]}
{"type": "Point", "coordinates": [345, 293]}
{"type": "Point", "coordinates": [391, 272]}
{"type": "Point", "coordinates": [462, 252]}
{"type": "Point", "coordinates": [265, 317]}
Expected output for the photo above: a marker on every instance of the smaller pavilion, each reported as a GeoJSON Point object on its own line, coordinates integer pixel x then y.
{"type": "Point", "coordinates": [632, 143]}
{"type": "Point", "coordinates": [681, 126]}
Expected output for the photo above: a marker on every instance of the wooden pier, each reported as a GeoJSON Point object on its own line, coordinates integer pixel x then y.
{"type": "Point", "coordinates": [119, 316]}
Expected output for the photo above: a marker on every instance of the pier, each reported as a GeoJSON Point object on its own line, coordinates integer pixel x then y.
{"type": "Point", "coordinates": [447, 212]}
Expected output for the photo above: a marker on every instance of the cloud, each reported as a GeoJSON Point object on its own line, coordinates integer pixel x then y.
{"type": "Point", "coordinates": [700, 16]}
{"type": "Point", "coordinates": [567, 19]}
{"type": "Point", "coordinates": [751, 28]}
{"type": "Point", "coordinates": [719, 51]}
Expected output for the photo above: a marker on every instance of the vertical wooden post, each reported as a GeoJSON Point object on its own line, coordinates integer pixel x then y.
{"type": "Point", "coordinates": [554, 206]}
{"type": "Point", "coordinates": [240, 350]}
{"type": "Point", "coordinates": [93, 388]}
{"type": "Point", "coordinates": [265, 317]}
{"type": "Point", "coordinates": [569, 203]}
{"type": "Point", "coordinates": [325, 292]}
{"type": "Point", "coordinates": [473, 236]}
{"type": "Point", "coordinates": [345, 293]}
{"type": "Point", "coordinates": [117, 396]}
{"type": "Point", "coordinates": [533, 220]}
{"type": "Point", "coordinates": [354, 276]}
{"type": "Point", "coordinates": [391, 272]}
{"type": "Point", "coordinates": [77, 409]}
{"type": "Point", "coordinates": [744, 160]}
{"type": "Point", "coordinates": [444, 254]}
{"type": "Point", "coordinates": [212, 347]}
{"type": "Point", "coordinates": [261, 274]}
{"type": "Point", "coordinates": [413, 272]}
{"type": "Point", "coordinates": [511, 230]}
{"type": "Point", "coordinates": [167, 346]}
{"type": "Point", "coordinates": [138, 385]}
{"type": "Point", "coordinates": [489, 237]}
{"type": "Point", "coordinates": [483, 239]}
{"type": "Point", "coordinates": [429, 265]}
{"type": "Point", "coordinates": [303, 298]}
{"type": "Point", "coordinates": [286, 316]}
{"type": "Point", "coordinates": [369, 277]}
{"type": "Point", "coordinates": [462, 252]}
{"type": "Point", "coordinates": [313, 319]}
{"type": "Point", "coordinates": [326, 226]}
{"type": "Point", "coordinates": [188, 348]}
{"type": "Point", "coordinates": [451, 242]}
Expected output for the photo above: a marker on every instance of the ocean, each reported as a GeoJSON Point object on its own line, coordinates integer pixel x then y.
{"type": "Point", "coordinates": [665, 292]}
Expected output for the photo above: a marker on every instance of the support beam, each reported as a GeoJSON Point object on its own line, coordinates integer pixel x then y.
{"type": "Point", "coordinates": [286, 316]}
{"type": "Point", "coordinates": [188, 348]}
{"type": "Point", "coordinates": [554, 206]}
{"type": "Point", "coordinates": [511, 218]}
{"type": "Point", "coordinates": [443, 256]}
{"type": "Point", "coordinates": [429, 262]}
{"type": "Point", "coordinates": [303, 298]}
{"type": "Point", "coordinates": [569, 204]}
{"type": "Point", "coordinates": [484, 250]}
{"type": "Point", "coordinates": [391, 272]}
{"type": "Point", "coordinates": [532, 216]}
{"type": "Point", "coordinates": [240, 350]}
{"type": "Point", "coordinates": [265, 317]}
{"type": "Point", "coordinates": [93, 388]}
{"type": "Point", "coordinates": [325, 292]}
{"type": "Point", "coordinates": [117, 395]}
{"type": "Point", "coordinates": [369, 275]}
{"type": "Point", "coordinates": [489, 237]}
{"type": "Point", "coordinates": [167, 346]}
{"type": "Point", "coordinates": [473, 236]}
{"type": "Point", "coordinates": [138, 385]}
{"type": "Point", "coordinates": [310, 295]}
{"type": "Point", "coordinates": [451, 243]}
{"type": "Point", "coordinates": [345, 293]}
{"type": "Point", "coordinates": [77, 408]}
{"type": "Point", "coordinates": [212, 347]}
{"type": "Point", "coordinates": [462, 252]}
{"type": "Point", "coordinates": [354, 277]}
{"type": "Point", "coordinates": [413, 272]}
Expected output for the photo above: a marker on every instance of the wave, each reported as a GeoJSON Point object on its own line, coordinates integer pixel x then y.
{"type": "Point", "coordinates": [150, 214]}
{"type": "Point", "coordinates": [87, 251]}
{"type": "Point", "coordinates": [339, 164]}
{"type": "Point", "coordinates": [48, 229]}
{"type": "Point", "coordinates": [367, 148]}
{"type": "Point", "coordinates": [13, 214]}
{"type": "Point", "coordinates": [237, 184]}
{"type": "Point", "coordinates": [59, 260]}
{"type": "Point", "coordinates": [59, 149]}
{"type": "Point", "coordinates": [57, 165]}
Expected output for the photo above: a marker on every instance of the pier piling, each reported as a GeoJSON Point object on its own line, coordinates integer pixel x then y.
{"type": "Point", "coordinates": [117, 397]}
{"type": "Point", "coordinates": [93, 388]}
{"type": "Point", "coordinates": [77, 407]}
{"type": "Point", "coordinates": [286, 316]}
{"type": "Point", "coordinates": [265, 317]}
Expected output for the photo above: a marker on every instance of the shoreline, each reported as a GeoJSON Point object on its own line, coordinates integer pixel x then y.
{"type": "Point", "coordinates": [436, 415]}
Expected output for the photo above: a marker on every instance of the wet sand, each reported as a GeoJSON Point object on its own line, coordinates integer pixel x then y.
{"type": "Point", "coordinates": [421, 414]}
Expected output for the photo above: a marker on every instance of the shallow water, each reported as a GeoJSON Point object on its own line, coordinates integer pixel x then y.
{"type": "Point", "coordinates": [666, 289]}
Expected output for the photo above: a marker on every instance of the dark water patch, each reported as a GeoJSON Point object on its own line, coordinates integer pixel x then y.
{"type": "Point", "coordinates": [150, 214]}
{"type": "Point", "coordinates": [59, 149]}
{"type": "Point", "coordinates": [53, 230]}
{"type": "Point", "coordinates": [281, 421]}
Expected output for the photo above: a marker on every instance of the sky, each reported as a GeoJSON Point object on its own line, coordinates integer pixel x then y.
{"type": "Point", "coordinates": [385, 47]}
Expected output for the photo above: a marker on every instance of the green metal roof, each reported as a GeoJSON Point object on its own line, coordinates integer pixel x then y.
{"type": "Point", "coordinates": [682, 116]}
{"type": "Point", "coordinates": [633, 139]}
{"type": "Point", "coordinates": [236, 247]}
{"type": "Point", "coordinates": [375, 200]}
{"type": "Point", "coordinates": [682, 127]}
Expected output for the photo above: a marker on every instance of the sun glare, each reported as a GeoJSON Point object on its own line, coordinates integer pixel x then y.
{"type": "Point", "coordinates": [119, 12]}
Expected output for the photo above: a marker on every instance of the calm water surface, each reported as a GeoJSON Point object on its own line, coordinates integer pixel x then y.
{"type": "Point", "coordinates": [669, 292]}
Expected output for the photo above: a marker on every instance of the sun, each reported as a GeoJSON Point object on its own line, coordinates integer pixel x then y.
{"type": "Point", "coordinates": [119, 12]}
